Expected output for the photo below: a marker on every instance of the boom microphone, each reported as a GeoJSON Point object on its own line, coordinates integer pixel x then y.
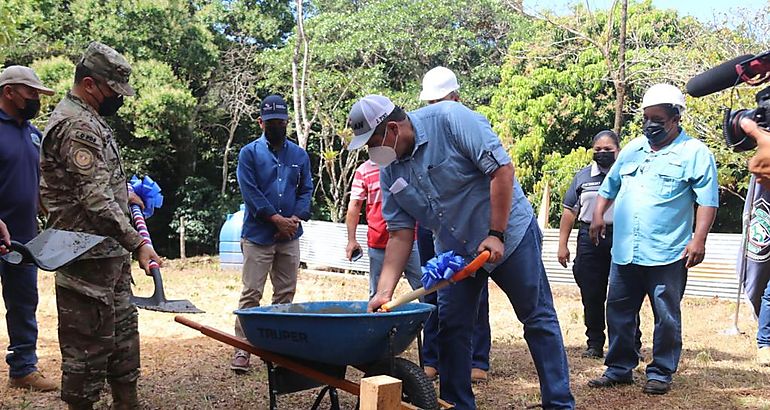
{"type": "Point", "coordinates": [718, 78]}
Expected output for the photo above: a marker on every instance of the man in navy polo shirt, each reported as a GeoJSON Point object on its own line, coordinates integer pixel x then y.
{"type": "Point", "coordinates": [20, 91]}
{"type": "Point", "coordinates": [274, 177]}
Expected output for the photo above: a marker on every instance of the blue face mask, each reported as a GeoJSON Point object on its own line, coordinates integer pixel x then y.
{"type": "Point", "coordinates": [655, 132]}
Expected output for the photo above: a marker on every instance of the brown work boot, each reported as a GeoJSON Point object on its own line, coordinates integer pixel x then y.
{"type": "Point", "coordinates": [763, 356]}
{"type": "Point", "coordinates": [124, 396]}
{"type": "Point", "coordinates": [240, 363]}
{"type": "Point", "coordinates": [431, 372]}
{"type": "Point", "coordinates": [33, 381]}
{"type": "Point", "coordinates": [478, 375]}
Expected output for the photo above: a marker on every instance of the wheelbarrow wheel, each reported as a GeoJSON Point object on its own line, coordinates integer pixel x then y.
{"type": "Point", "coordinates": [416, 388]}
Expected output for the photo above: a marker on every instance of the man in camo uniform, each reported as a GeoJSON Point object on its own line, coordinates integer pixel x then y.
{"type": "Point", "coordinates": [83, 188]}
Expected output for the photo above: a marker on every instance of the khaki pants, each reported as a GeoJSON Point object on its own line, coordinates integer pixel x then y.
{"type": "Point", "coordinates": [281, 260]}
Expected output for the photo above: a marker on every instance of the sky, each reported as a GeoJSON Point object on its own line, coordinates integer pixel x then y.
{"type": "Point", "coordinates": [703, 10]}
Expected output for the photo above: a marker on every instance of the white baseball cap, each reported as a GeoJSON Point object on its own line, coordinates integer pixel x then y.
{"type": "Point", "coordinates": [366, 114]}
{"type": "Point", "coordinates": [663, 94]}
{"type": "Point", "coordinates": [438, 83]}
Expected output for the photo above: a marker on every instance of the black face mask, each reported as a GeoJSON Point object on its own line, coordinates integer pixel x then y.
{"type": "Point", "coordinates": [604, 159]}
{"type": "Point", "coordinates": [30, 109]}
{"type": "Point", "coordinates": [275, 134]}
{"type": "Point", "coordinates": [110, 105]}
{"type": "Point", "coordinates": [655, 132]}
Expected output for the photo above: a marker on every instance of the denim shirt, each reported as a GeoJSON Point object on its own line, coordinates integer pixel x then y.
{"type": "Point", "coordinates": [444, 184]}
{"type": "Point", "coordinates": [655, 193]}
{"type": "Point", "coordinates": [273, 183]}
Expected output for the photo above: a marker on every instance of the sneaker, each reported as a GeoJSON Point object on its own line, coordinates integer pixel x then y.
{"type": "Point", "coordinates": [593, 353]}
{"type": "Point", "coordinates": [656, 387]}
{"type": "Point", "coordinates": [605, 381]}
{"type": "Point", "coordinates": [478, 375]}
{"type": "Point", "coordinates": [33, 381]}
{"type": "Point", "coordinates": [431, 372]}
{"type": "Point", "coordinates": [240, 363]}
{"type": "Point", "coordinates": [763, 356]}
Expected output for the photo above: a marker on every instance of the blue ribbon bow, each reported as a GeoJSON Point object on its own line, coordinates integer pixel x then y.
{"type": "Point", "coordinates": [149, 191]}
{"type": "Point", "coordinates": [440, 267]}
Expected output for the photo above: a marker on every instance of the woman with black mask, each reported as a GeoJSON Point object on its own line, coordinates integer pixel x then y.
{"type": "Point", "coordinates": [592, 263]}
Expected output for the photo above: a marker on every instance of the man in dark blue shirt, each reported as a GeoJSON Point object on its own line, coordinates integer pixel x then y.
{"type": "Point", "coordinates": [20, 91]}
{"type": "Point", "coordinates": [274, 177]}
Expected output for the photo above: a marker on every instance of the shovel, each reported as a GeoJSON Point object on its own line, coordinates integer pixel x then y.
{"type": "Point", "coordinates": [52, 249]}
{"type": "Point", "coordinates": [157, 301]}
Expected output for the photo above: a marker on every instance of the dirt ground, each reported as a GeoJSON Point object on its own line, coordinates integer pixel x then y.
{"type": "Point", "coordinates": [182, 369]}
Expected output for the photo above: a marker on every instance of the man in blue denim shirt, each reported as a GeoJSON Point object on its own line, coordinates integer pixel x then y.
{"type": "Point", "coordinates": [444, 167]}
{"type": "Point", "coordinates": [274, 177]}
{"type": "Point", "coordinates": [655, 183]}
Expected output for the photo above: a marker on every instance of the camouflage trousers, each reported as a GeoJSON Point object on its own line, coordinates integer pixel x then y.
{"type": "Point", "coordinates": [98, 333]}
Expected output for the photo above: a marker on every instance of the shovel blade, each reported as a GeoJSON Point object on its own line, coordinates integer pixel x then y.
{"type": "Point", "coordinates": [169, 306]}
{"type": "Point", "coordinates": [55, 248]}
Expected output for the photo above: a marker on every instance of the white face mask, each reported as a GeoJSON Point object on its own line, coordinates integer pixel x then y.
{"type": "Point", "coordinates": [382, 155]}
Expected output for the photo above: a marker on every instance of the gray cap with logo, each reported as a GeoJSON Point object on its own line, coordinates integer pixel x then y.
{"type": "Point", "coordinates": [17, 74]}
{"type": "Point", "coordinates": [110, 66]}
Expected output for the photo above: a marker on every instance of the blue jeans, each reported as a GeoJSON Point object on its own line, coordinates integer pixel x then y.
{"type": "Point", "coordinates": [482, 335]}
{"type": "Point", "coordinates": [412, 271]}
{"type": "Point", "coordinates": [763, 331]}
{"type": "Point", "coordinates": [20, 296]}
{"type": "Point", "coordinates": [629, 284]}
{"type": "Point", "coordinates": [522, 278]}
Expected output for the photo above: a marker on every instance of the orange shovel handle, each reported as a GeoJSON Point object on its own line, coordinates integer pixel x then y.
{"type": "Point", "coordinates": [475, 265]}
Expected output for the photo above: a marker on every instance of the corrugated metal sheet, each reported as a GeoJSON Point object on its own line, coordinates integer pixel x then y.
{"type": "Point", "coordinates": [323, 243]}
{"type": "Point", "coordinates": [715, 276]}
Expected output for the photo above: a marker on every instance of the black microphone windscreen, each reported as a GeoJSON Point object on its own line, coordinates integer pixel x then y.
{"type": "Point", "coordinates": [716, 79]}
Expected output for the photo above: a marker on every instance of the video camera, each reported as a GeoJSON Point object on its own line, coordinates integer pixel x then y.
{"type": "Point", "coordinates": [749, 69]}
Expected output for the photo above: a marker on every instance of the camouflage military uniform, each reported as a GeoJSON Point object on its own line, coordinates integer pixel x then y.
{"type": "Point", "coordinates": [83, 188]}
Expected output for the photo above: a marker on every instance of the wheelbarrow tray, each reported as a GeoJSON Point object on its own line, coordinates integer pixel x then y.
{"type": "Point", "coordinates": [338, 333]}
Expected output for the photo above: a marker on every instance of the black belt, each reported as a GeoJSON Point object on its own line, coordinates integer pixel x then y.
{"type": "Point", "coordinates": [588, 225]}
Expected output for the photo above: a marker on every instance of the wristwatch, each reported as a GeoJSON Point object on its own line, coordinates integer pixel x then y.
{"type": "Point", "coordinates": [497, 234]}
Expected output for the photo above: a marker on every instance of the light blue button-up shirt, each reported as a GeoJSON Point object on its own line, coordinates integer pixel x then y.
{"type": "Point", "coordinates": [655, 193]}
{"type": "Point", "coordinates": [444, 183]}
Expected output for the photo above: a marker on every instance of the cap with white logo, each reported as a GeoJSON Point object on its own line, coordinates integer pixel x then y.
{"type": "Point", "coordinates": [438, 83]}
{"type": "Point", "coordinates": [366, 114]}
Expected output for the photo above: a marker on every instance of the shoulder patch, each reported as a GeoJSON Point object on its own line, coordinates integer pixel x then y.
{"type": "Point", "coordinates": [83, 158]}
{"type": "Point", "coordinates": [86, 138]}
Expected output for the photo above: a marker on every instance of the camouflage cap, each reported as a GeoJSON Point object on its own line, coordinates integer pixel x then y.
{"type": "Point", "coordinates": [110, 65]}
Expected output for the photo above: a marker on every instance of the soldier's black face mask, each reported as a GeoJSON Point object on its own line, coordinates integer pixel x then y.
{"type": "Point", "coordinates": [109, 105]}
{"type": "Point", "coordinates": [275, 132]}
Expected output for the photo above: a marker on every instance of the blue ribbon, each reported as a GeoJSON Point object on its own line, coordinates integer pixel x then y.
{"type": "Point", "coordinates": [149, 191]}
{"type": "Point", "coordinates": [441, 267]}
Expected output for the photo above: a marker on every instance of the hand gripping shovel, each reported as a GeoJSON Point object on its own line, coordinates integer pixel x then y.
{"type": "Point", "coordinates": [158, 300]}
{"type": "Point", "coordinates": [469, 269]}
{"type": "Point", "coordinates": [52, 249]}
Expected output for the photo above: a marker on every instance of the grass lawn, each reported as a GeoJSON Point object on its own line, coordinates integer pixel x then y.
{"type": "Point", "coordinates": [182, 369]}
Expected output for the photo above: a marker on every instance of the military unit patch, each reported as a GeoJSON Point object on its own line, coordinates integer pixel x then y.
{"type": "Point", "coordinates": [86, 138]}
{"type": "Point", "coordinates": [83, 158]}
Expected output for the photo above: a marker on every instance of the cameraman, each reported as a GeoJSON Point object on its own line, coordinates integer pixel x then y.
{"type": "Point", "coordinates": [759, 164]}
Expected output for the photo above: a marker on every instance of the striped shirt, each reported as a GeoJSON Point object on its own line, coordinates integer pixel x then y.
{"type": "Point", "coordinates": [366, 187]}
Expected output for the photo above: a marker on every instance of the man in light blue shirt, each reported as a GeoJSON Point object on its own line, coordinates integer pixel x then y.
{"type": "Point", "coordinates": [655, 183]}
{"type": "Point", "coordinates": [444, 167]}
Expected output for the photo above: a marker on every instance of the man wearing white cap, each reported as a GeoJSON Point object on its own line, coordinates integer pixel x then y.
{"type": "Point", "coordinates": [20, 90]}
{"type": "Point", "coordinates": [444, 168]}
{"type": "Point", "coordinates": [440, 84]}
{"type": "Point", "coordinates": [655, 184]}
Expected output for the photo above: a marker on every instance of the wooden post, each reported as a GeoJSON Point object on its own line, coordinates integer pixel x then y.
{"type": "Point", "coordinates": [182, 252]}
{"type": "Point", "coordinates": [380, 393]}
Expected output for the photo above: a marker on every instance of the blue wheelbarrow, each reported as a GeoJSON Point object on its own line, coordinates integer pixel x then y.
{"type": "Point", "coordinates": [308, 345]}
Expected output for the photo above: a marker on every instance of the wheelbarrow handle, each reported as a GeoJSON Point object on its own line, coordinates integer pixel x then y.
{"type": "Point", "coordinates": [475, 265]}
